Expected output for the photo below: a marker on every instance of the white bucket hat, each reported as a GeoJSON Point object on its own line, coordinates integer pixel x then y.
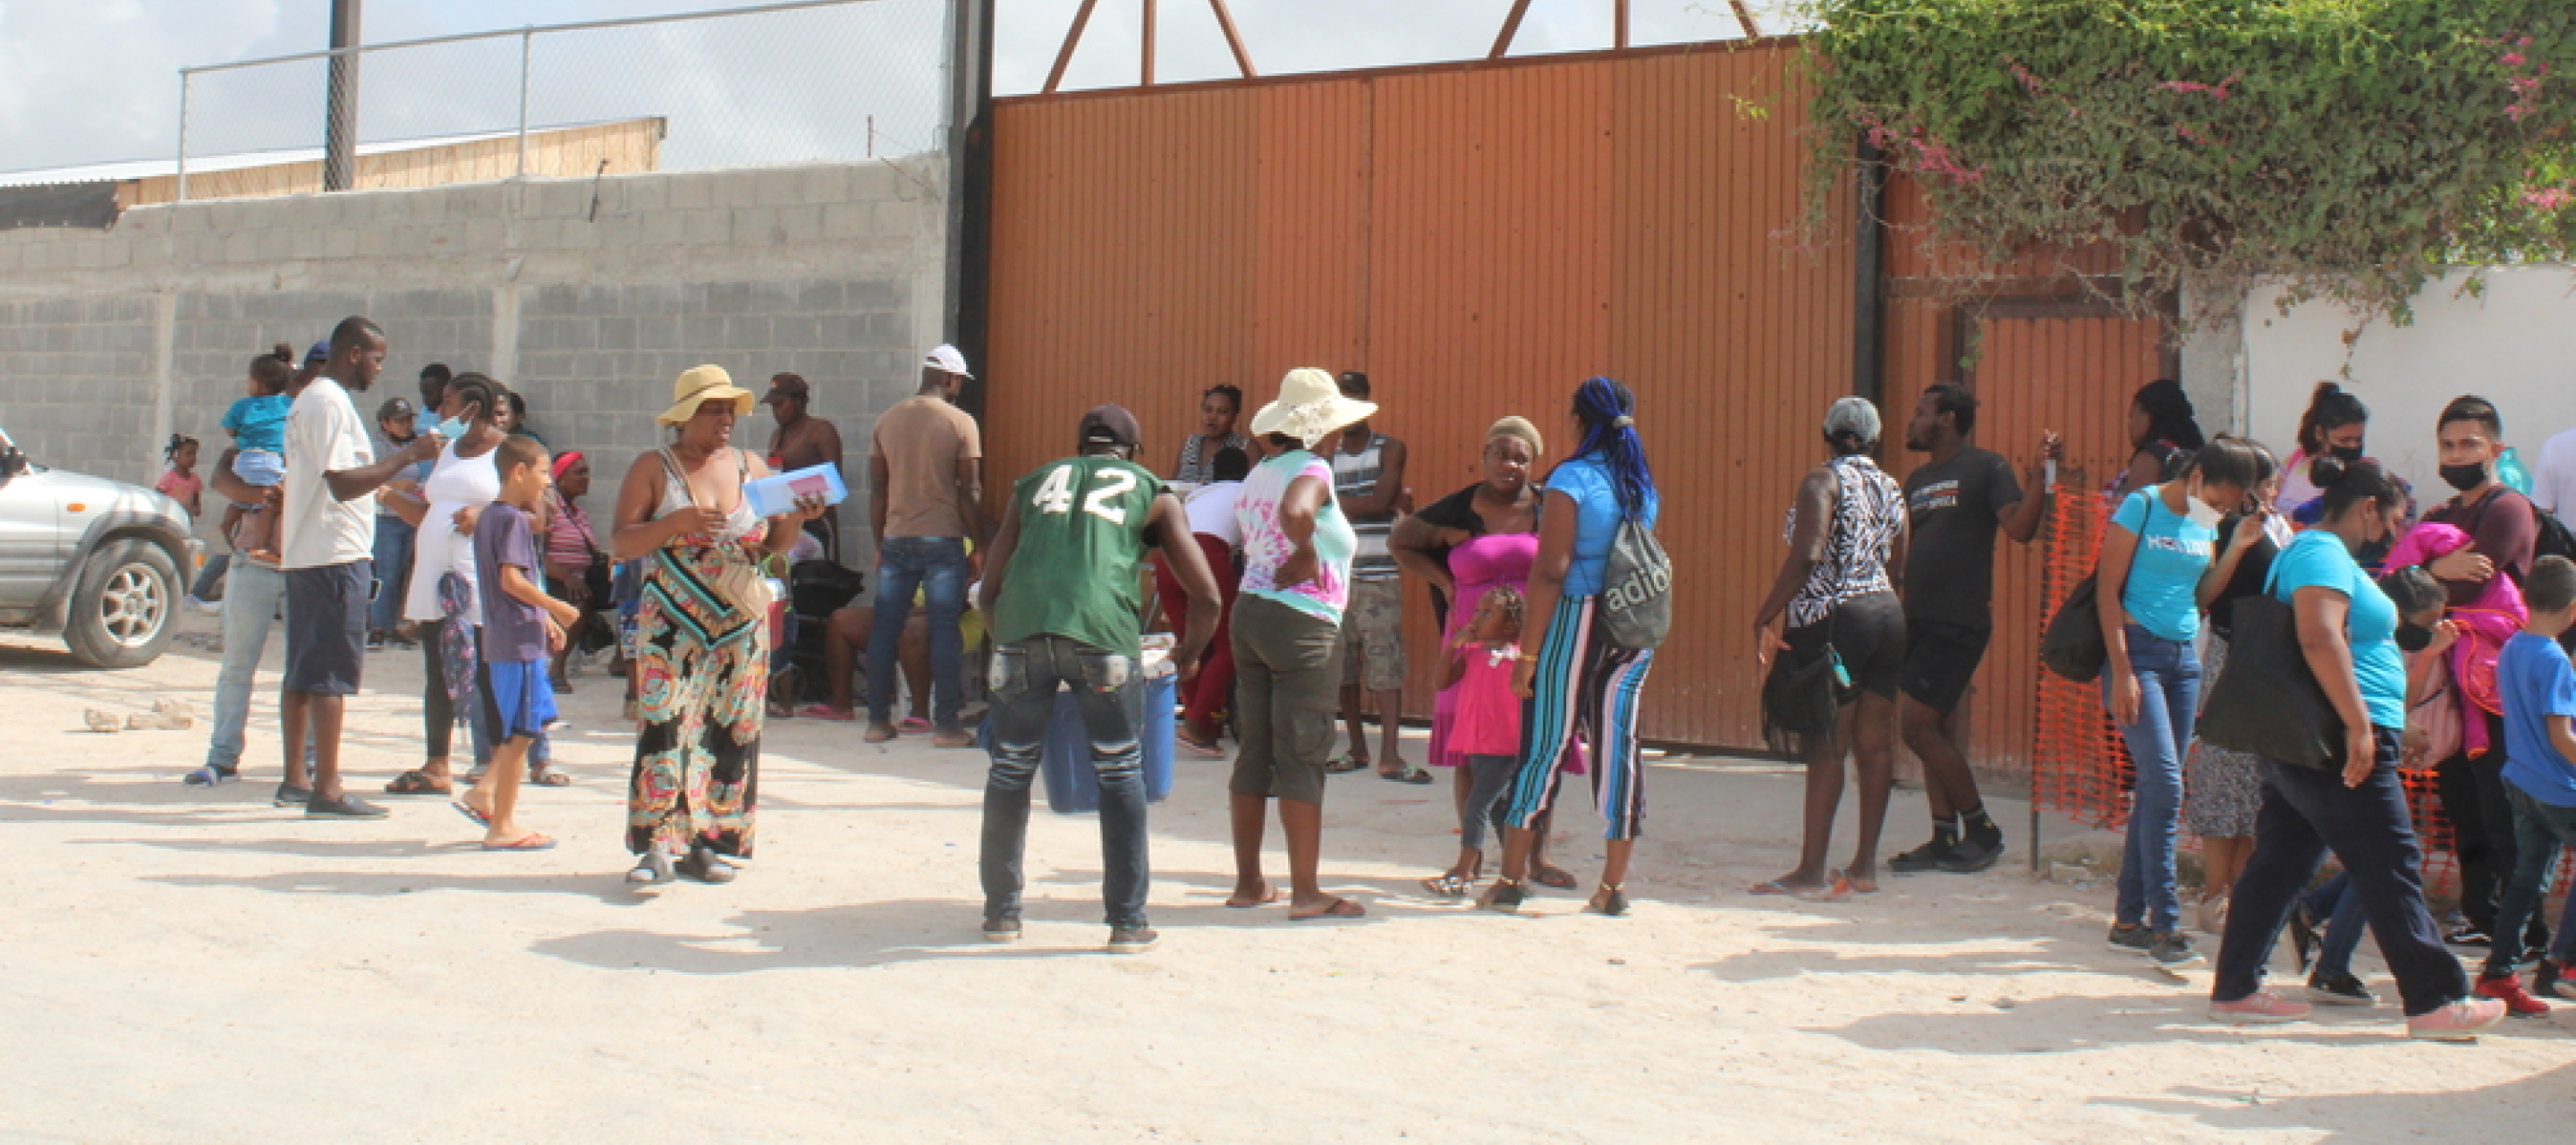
{"type": "Point", "coordinates": [1310, 406]}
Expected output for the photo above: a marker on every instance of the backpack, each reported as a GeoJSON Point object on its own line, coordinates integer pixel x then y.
{"type": "Point", "coordinates": [1636, 589]}
{"type": "Point", "coordinates": [2550, 537]}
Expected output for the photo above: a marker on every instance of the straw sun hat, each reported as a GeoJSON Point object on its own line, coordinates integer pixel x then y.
{"type": "Point", "coordinates": [700, 385]}
{"type": "Point", "coordinates": [1310, 406]}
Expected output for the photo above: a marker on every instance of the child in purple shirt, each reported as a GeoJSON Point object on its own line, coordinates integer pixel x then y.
{"type": "Point", "coordinates": [522, 628]}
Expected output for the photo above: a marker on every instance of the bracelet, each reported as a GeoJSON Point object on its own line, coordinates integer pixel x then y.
{"type": "Point", "coordinates": [1527, 658]}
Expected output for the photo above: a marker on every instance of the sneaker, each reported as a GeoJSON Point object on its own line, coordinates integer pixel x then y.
{"type": "Point", "coordinates": [2549, 980]}
{"type": "Point", "coordinates": [1974, 853]}
{"type": "Point", "coordinates": [1132, 939]}
{"type": "Point", "coordinates": [211, 776]}
{"type": "Point", "coordinates": [2212, 916]}
{"type": "Point", "coordinates": [2131, 937]}
{"type": "Point", "coordinates": [2261, 1006]}
{"type": "Point", "coordinates": [344, 807]}
{"type": "Point", "coordinates": [1006, 928]}
{"type": "Point", "coordinates": [1927, 857]}
{"type": "Point", "coordinates": [2304, 936]}
{"type": "Point", "coordinates": [2507, 988]}
{"type": "Point", "coordinates": [2461, 1021]}
{"type": "Point", "coordinates": [2469, 934]}
{"type": "Point", "coordinates": [2340, 990]}
{"type": "Point", "coordinates": [289, 795]}
{"type": "Point", "coordinates": [2172, 950]}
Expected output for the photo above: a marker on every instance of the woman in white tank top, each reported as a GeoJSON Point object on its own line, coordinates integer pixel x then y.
{"type": "Point", "coordinates": [465, 476]}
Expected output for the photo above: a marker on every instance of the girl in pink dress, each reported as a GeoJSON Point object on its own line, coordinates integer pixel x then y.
{"type": "Point", "coordinates": [1485, 728]}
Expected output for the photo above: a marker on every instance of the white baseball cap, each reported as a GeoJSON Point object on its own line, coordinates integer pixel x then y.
{"type": "Point", "coordinates": [945, 359]}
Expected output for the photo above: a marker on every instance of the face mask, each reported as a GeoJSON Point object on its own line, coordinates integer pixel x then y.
{"type": "Point", "coordinates": [2346, 453]}
{"type": "Point", "coordinates": [2464, 477]}
{"type": "Point", "coordinates": [2413, 637]}
{"type": "Point", "coordinates": [451, 429]}
{"type": "Point", "coordinates": [2201, 514]}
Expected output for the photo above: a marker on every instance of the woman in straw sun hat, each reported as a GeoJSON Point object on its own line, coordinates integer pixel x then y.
{"type": "Point", "coordinates": [701, 659]}
{"type": "Point", "coordinates": [1297, 551]}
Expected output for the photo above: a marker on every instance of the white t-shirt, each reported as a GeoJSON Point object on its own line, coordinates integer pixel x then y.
{"type": "Point", "coordinates": [2553, 483]}
{"type": "Point", "coordinates": [454, 483]}
{"type": "Point", "coordinates": [1211, 511]}
{"type": "Point", "coordinates": [324, 435]}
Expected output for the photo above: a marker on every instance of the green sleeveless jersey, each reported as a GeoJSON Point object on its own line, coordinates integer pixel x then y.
{"type": "Point", "coordinates": [1073, 572]}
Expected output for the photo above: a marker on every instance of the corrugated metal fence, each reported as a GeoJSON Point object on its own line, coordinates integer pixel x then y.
{"type": "Point", "coordinates": [1480, 238]}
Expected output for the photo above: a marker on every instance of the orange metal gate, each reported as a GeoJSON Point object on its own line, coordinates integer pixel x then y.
{"type": "Point", "coordinates": [1479, 238]}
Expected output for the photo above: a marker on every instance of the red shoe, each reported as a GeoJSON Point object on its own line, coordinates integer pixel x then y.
{"type": "Point", "coordinates": [2518, 1002]}
{"type": "Point", "coordinates": [826, 712]}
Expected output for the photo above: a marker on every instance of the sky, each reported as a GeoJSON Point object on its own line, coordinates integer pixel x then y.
{"type": "Point", "coordinates": [85, 81]}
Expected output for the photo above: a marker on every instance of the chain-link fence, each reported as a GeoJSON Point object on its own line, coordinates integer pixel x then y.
{"type": "Point", "coordinates": [786, 83]}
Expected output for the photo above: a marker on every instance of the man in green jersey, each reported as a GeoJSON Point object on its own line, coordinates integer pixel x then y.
{"type": "Point", "coordinates": [1063, 593]}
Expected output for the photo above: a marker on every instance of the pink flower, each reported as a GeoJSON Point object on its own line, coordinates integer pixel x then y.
{"type": "Point", "coordinates": [2552, 199]}
{"type": "Point", "coordinates": [2513, 59]}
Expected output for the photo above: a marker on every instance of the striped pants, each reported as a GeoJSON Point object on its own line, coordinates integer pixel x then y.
{"type": "Point", "coordinates": [1584, 685]}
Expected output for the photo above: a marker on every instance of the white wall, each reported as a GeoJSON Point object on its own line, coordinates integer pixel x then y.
{"type": "Point", "coordinates": [2515, 346]}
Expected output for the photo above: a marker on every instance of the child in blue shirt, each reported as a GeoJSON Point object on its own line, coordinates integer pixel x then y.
{"type": "Point", "coordinates": [2538, 686]}
{"type": "Point", "coordinates": [258, 426]}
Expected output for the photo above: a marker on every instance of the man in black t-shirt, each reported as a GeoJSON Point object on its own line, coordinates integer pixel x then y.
{"type": "Point", "coordinates": [1954, 505]}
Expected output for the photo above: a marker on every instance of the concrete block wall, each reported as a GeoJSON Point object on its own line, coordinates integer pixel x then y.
{"type": "Point", "coordinates": [587, 295]}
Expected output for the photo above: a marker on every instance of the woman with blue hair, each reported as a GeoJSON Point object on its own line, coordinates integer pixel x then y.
{"type": "Point", "coordinates": [1574, 680]}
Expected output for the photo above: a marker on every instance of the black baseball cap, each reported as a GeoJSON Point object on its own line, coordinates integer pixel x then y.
{"type": "Point", "coordinates": [1110, 425]}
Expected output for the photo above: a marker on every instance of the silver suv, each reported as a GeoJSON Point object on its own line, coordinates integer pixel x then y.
{"type": "Point", "coordinates": [92, 560]}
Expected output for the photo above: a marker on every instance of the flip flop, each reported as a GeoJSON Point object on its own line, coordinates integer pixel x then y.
{"type": "Point", "coordinates": [532, 841]}
{"type": "Point", "coordinates": [1557, 877]}
{"type": "Point", "coordinates": [1776, 887]}
{"type": "Point", "coordinates": [1449, 886]}
{"type": "Point", "coordinates": [478, 818]}
{"type": "Point", "coordinates": [1269, 895]}
{"type": "Point", "coordinates": [1411, 775]}
{"type": "Point", "coordinates": [1340, 908]}
{"type": "Point", "coordinates": [549, 776]}
{"type": "Point", "coordinates": [416, 782]}
{"type": "Point", "coordinates": [1343, 765]}
{"type": "Point", "coordinates": [826, 712]}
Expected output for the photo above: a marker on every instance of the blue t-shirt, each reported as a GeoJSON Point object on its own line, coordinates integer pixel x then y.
{"type": "Point", "coordinates": [260, 422]}
{"type": "Point", "coordinates": [2162, 593]}
{"type": "Point", "coordinates": [2317, 559]}
{"type": "Point", "coordinates": [1596, 519]}
{"type": "Point", "coordinates": [2536, 682]}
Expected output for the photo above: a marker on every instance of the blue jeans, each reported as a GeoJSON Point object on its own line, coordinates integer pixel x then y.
{"type": "Point", "coordinates": [2168, 676]}
{"type": "Point", "coordinates": [1109, 688]}
{"type": "Point", "coordinates": [2306, 812]}
{"type": "Point", "coordinates": [2539, 829]}
{"type": "Point", "coordinates": [393, 572]}
{"type": "Point", "coordinates": [253, 594]}
{"type": "Point", "coordinates": [934, 567]}
{"type": "Point", "coordinates": [2334, 902]}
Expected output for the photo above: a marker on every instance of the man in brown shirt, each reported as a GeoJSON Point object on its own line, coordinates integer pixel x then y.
{"type": "Point", "coordinates": [925, 503]}
{"type": "Point", "coordinates": [803, 441]}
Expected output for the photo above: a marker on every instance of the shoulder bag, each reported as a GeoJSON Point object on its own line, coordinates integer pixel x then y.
{"type": "Point", "coordinates": [1636, 588]}
{"type": "Point", "coordinates": [2267, 700]}
{"type": "Point", "coordinates": [2073, 646]}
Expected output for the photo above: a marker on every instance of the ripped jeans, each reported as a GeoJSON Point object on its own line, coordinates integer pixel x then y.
{"type": "Point", "coordinates": [1109, 689]}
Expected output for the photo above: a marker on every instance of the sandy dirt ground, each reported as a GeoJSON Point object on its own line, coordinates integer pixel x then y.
{"type": "Point", "coordinates": [191, 965]}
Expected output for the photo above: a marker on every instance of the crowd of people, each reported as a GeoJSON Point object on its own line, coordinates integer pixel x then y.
{"type": "Point", "coordinates": [1280, 545]}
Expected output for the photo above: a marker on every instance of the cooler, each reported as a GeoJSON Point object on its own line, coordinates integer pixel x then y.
{"type": "Point", "coordinates": [1072, 788]}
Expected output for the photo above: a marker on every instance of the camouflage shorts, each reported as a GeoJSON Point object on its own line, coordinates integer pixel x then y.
{"type": "Point", "coordinates": [1373, 636]}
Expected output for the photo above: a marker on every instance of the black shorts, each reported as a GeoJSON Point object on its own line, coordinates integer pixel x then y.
{"type": "Point", "coordinates": [326, 627]}
{"type": "Point", "coordinates": [1940, 659]}
{"type": "Point", "coordinates": [1868, 632]}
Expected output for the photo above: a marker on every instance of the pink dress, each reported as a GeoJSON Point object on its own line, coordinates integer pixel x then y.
{"type": "Point", "coordinates": [1476, 565]}
{"type": "Point", "coordinates": [1489, 715]}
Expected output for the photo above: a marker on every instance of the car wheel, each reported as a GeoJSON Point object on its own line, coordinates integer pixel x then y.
{"type": "Point", "coordinates": [123, 612]}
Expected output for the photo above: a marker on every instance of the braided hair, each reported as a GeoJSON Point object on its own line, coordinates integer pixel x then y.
{"type": "Point", "coordinates": [178, 441]}
{"type": "Point", "coordinates": [1604, 408]}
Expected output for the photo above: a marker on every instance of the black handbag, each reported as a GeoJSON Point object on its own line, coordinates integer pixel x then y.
{"type": "Point", "coordinates": [2267, 700]}
{"type": "Point", "coordinates": [1804, 699]}
{"type": "Point", "coordinates": [2073, 646]}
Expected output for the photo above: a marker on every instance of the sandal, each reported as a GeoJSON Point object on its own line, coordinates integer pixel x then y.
{"type": "Point", "coordinates": [1410, 775]}
{"type": "Point", "coordinates": [546, 775]}
{"type": "Point", "coordinates": [1613, 906]}
{"type": "Point", "coordinates": [706, 867]}
{"type": "Point", "coordinates": [471, 815]}
{"type": "Point", "coordinates": [1338, 908]}
{"type": "Point", "coordinates": [532, 841]}
{"type": "Point", "coordinates": [1344, 765]}
{"type": "Point", "coordinates": [417, 782]}
{"type": "Point", "coordinates": [1449, 886]}
{"type": "Point", "coordinates": [1505, 895]}
{"type": "Point", "coordinates": [652, 869]}
{"type": "Point", "coordinates": [1557, 878]}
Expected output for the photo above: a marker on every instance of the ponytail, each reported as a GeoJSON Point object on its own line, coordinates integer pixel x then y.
{"type": "Point", "coordinates": [1607, 411]}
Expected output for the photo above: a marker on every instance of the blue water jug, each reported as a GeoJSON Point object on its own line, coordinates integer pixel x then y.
{"type": "Point", "coordinates": [1064, 763]}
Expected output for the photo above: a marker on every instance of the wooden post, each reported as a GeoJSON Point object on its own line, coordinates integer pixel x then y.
{"type": "Point", "coordinates": [1145, 58]}
{"type": "Point", "coordinates": [1072, 36]}
{"type": "Point", "coordinates": [1619, 24]}
{"type": "Point", "coordinates": [1511, 28]}
{"type": "Point", "coordinates": [1233, 39]}
{"type": "Point", "coordinates": [1744, 16]}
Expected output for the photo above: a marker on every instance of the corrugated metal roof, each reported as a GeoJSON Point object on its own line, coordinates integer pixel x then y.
{"type": "Point", "coordinates": [123, 170]}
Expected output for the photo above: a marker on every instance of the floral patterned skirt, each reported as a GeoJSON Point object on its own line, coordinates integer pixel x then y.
{"type": "Point", "coordinates": [701, 682]}
{"type": "Point", "coordinates": [2222, 789]}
